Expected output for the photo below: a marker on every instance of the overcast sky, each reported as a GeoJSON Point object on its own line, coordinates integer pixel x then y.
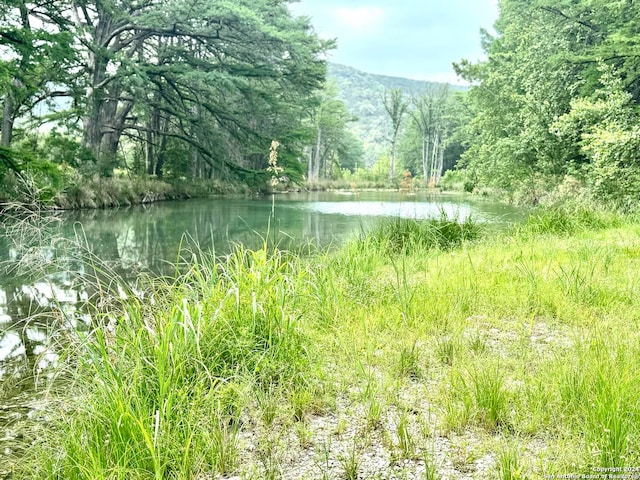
{"type": "Point", "coordinates": [416, 39]}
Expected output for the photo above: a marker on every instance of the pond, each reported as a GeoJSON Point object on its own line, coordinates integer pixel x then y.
{"type": "Point", "coordinates": [151, 237]}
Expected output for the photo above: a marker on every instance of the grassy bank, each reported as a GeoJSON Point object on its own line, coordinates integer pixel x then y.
{"type": "Point", "coordinates": [510, 356]}
{"type": "Point", "coordinates": [97, 192]}
{"type": "Point", "coordinates": [342, 184]}
{"type": "Point", "coordinates": [124, 191]}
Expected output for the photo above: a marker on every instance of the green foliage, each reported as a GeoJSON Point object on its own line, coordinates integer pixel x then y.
{"type": "Point", "coordinates": [28, 178]}
{"type": "Point", "coordinates": [564, 220]}
{"type": "Point", "coordinates": [361, 93]}
{"type": "Point", "coordinates": [431, 122]}
{"type": "Point", "coordinates": [534, 337]}
{"type": "Point", "coordinates": [161, 387]}
{"type": "Point", "coordinates": [8, 162]}
{"type": "Point", "coordinates": [508, 465]}
{"type": "Point", "coordinates": [402, 235]}
{"type": "Point", "coordinates": [183, 96]}
{"type": "Point", "coordinates": [606, 128]}
{"type": "Point", "coordinates": [396, 107]}
{"type": "Point", "coordinates": [457, 180]}
{"type": "Point", "coordinates": [334, 147]}
{"type": "Point", "coordinates": [64, 150]}
{"type": "Point", "coordinates": [550, 101]}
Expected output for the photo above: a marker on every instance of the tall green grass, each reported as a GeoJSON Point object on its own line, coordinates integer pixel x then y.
{"type": "Point", "coordinates": [527, 340]}
{"type": "Point", "coordinates": [566, 221]}
{"type": "Point", "coordinates": [402, 235]}
{"type": "Point", "coordinates": [161, 388]}
{"type": "Point", "coordinates": [96, 192]}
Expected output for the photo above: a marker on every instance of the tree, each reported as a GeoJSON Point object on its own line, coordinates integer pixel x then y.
{"type": "Point", "coordinates": [430, 120]}
{"type": "Point", "coordinates": [198, 88]}
{"type": "Point", "coordinates": [37, 55]}
{"type": "Point", "coordinates": [192, 72]}
{"type": "Point", "coordinates": [396, 106]}
{"type": "Point", "coordinates": [606, 126]}
{"type": "Point", "coordinates": [545, 56]}
{"type": "Point", "coordinates": [333, 141]}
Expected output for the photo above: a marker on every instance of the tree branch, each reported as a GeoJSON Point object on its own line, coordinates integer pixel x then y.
{"type": "Point", "coordinates": [557, 11]}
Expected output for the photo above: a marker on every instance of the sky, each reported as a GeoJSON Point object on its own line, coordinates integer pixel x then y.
{"type": "Point", "coordinates": [416, 39]}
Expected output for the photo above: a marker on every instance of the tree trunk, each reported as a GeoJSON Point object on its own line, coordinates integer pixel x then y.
{"type": "Point", "coordinates": [310, 164]}
{"type": "Point", "coordinates": [316, 163]}
{"type": "Point", "coordinates": [440, 162]}
{"type": "Point", "coordinates": [162, 155]}
{"type": "Point", "coordinates": [148, 151]}
{"type": "Point", "coordinates": [153, 127]}
{"type": "Point", "coordinates": [106, 113]}
{"type": "Point", "coordinates": [425, 158]}
{"type": "Point", "coordinates": [392, 160]}
{"type": "Point", "coordinates": [7, 120]}
{"type": "Point", "coordinates": [434, 159]}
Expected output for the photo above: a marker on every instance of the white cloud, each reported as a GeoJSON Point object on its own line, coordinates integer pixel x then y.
{"type": "Point", "coordinates": [360, 18]}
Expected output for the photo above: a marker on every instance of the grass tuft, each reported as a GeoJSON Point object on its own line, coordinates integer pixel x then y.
{"type": "Point", "coordinates": [567, 221]}
{"type": "Point", "coordinates": [165, 385]}
{"type": "Point", "coordinates": [402, 235]}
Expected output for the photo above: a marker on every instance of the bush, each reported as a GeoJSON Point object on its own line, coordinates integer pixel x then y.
{"type": "Point", "coordinates": [457, 180]}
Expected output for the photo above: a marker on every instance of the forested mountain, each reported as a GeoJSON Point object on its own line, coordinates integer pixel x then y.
{"type": "Point", "coordinates": [363, 95]}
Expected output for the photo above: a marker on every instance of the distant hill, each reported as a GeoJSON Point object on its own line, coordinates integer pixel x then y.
{"type": "Point", "coordinates": [362, 93]}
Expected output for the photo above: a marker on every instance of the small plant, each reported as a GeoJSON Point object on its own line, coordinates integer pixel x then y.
{"type": "Point", "coordinates": [302, 401]}
{"type": "Point", "coordinates": [404, 292]}
{"type": "Point", "coordinates": [409, 362]}
{"type": "Point", "coordinates": [341, 426]}
{"type": "Point", "coordinates": [405, 442]}
{"type": "Point", "coordinates": [268, 400]}
{"type": "Point", "coordinates": [406, 184]}
{"type": "Point", "coordinates": [275, 171]}
{"type": "Point", "coordinates": [566, 221]}
{"type": "Point", "coordinates": [403, 235]}
{"type": "Point", "coordinates": [230, 402]}
{"type": "Point", "coordinates": [351, 462]}
{"type": "Point", "coordinates": [456, 414]}
{"type": "Point", "coordinates": [490, 396]}
{"type": "Point", "coordinates": [430, 470]}
{"type": "Point", "coordinates": [459, 408]}
{"type": "Point", "coordinates": [273, 167]}
{"type": "Point", "coordinates": [426, 428]}
{"type": "Point", "coordinates": [304, 434]}
{"type": "Point", "coordinates": [224, 447]}
{"type": "Point", "coordinates": [464, 456]}
{"type": "Point", "coordinates": [269, 457]}
{"type": "Point", "coordinates": [478, 344]}
{"type": "Point", "coordinates": [447, 349]}
{"type": "Point", "coordinates": [323, 460]}
{"type": "Point", "coordinates": [508, 465]}
{"type": "Point", "coordinates": [373, 412]}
